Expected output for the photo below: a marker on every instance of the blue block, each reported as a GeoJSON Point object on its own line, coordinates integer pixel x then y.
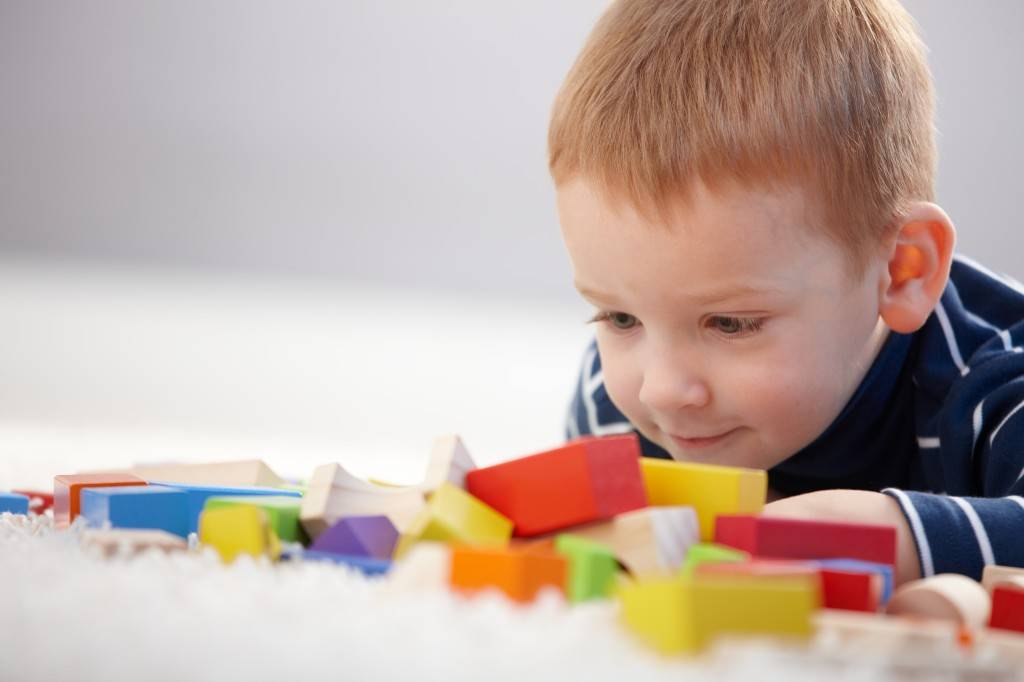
{"type": "Point", "coordinates": [365, 564]}
{"type": "Point", "coordinates": [137, 506]}
{"type": "Point", "coordinates": [884, 570]}
{"type": "Point", "coordinates": [198, 494]}
{"type": "Point", "coordinates": [14, 503]}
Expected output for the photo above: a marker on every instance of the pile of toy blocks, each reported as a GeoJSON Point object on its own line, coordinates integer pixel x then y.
{"type": "Point", "coordinates": [682, 547]}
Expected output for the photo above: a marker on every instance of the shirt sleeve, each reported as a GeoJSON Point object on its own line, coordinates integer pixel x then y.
{"type": "Point", "coordinates": [978, 519]}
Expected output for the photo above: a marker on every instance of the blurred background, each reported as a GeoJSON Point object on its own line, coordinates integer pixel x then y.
{"type": "Point", "coordinates": [323, 231]}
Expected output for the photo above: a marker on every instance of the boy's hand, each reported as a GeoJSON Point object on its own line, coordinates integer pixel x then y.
{"type": "Point", "coordinates": [855, 506]}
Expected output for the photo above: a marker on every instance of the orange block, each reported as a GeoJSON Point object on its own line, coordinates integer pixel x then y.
{"type": "Point", "coordinates": [520, 573]}
{"type": "Point", "coordinates": [67, 489]}
{"type": "Point", "coordinates": [587, 479]}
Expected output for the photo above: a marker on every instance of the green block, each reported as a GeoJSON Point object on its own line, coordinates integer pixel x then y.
{"type": "Point", "coordinates": [592, 567]}
{"type": "Point", "coordinates": [282, 512]}
{"type": "Point", "coordinates": [710, 553]}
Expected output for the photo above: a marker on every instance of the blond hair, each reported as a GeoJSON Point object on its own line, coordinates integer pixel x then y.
{"type": "Point", "coordinates": [834, 94]}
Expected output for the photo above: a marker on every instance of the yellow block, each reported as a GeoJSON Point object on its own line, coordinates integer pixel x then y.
{"type": "Point", "coordinates": [241, 529]}
{"type": "Point", "coordinates": [680, 614]}
{"type": "Point", "coordinates": [710, 489]}
{"type": "Point", "coordinates": [453, 515]}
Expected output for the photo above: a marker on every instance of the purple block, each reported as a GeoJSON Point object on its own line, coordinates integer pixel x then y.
{"type": "Point", "coordinates": [365, 536]}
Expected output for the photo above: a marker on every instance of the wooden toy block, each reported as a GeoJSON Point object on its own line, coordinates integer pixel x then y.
{"type": "Point", "coordinates": [760, 568]}
{"type": "Point", "coordinates": [238, 529]}
{"type": "Point", "coordinates": [449, 463]}
{"type": "Point", "coordinates": [679, 614]}
{"type": "Point", "coordinates": [519, 574]}
{"type": "Point", "coordinates": [13, 503]}
{"type": "Point", "coordinates": [1007, 607]}
{"type": "Point", "coordinates": [885, 636]}
{"type": "Point", "coordinates": [588, 479]}
{"type": "Point", "coordinates": [130, 541]}
{"type": "Point", "coordinates": [364, 564]}
{"type": "Point", "coordinates": [592, 568]}
{"type": "Point", "coordinates": [199, 494]}
{"type": "Point", "coordinates": [282, 512]}
{"type": "Point", "coordinates": [67, 490]}
{"type": "Point", "coordinates": [782, 538]}
{"type": "Point", "coordinates": [883, 571]}
{"type": "Point", "coordinates": [38, 501]}
{"type": "Point", "coordinates": [709, 553]}
{"type": "Point", "coordinates": [136, 506]}
{"type": "Point", "coordinates": [333, 493]}
{"type": "Point", "coordinates": [362, 536]}
{"type": "Point", "coordinates": [453, 515]}
{"type": "Point", "coordinates": [994, 575]}
{"type": "Point", "coordinates": [710, 489]}
{"type": "Point", "coordinates": [427, 566]}
{"type": "Point", "coordinates": [947, 596]}
{"type": "Point", "coordinates": [245, 472]}
{"type": "Point", "coordinates": [647, 541]}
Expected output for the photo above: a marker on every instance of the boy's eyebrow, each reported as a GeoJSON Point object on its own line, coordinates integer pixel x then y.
{"type": "Point", "coordinates": [702, 298]}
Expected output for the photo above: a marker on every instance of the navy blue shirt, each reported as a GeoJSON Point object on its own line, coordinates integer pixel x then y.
{"type": "Point", "coordinates": [937, 423]}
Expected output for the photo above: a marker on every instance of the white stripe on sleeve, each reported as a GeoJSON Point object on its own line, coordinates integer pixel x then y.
{"type": "Point", "coordinates": [947, 331]}
{"type": "Point", "coordinates": [917, 528]}
{"type": "Point", "coordinates": [1005, 419]}
{"type": "Point", "coordinates": [979, 530]}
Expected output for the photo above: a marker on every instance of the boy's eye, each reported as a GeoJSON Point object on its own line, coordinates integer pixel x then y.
{"type": "Point", "coordinates": [735, 326]}
{"type": "Point", "coordinates": [621, 321]}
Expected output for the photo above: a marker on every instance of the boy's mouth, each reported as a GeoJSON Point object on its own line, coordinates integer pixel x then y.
{"type": "Point", "coordinates": [701, 441]}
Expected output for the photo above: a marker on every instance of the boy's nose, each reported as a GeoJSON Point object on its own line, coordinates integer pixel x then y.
{"type": "Point", "coordinates": [669, 384]}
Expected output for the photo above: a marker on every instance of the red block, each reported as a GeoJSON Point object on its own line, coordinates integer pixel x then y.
{"type": "Point", "coordinates": [1007, 608]}
{"type": "Point", "coordinates": [851, 590]}
{"type": "Point", "coordinates": [67, 490]}
{"type": "Point", "coordinates": [588, 479]}
{"type": "Point", "coordinates": [38, 501]}
{"type": "Point", "coordinates": [778, 538]}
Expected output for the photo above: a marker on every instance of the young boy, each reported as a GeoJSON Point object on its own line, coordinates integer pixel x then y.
{"type": "Point", "coordinates": [744, 189]}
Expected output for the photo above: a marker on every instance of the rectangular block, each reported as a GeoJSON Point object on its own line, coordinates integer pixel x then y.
{"type": "Point", "coordinates": [199, 494]}
{"type": "Point", "coordinates": [1007, 608]}
{"type": "Point", "coordinates": [282, 512]}
{"type": "Point", "coordinates": [588, 479]}
{"type": "Point", "coordinates": [138, 506]}
{"type": "Point", "coordinates": [994, 575]}
{"type": "Point", "coordinates": [680, 614]}
{"type": "Point", "coordinates": [520, 574]}
{"type": "Point", "coordinates": [647, 541]}
{"type": "Point", "coordinates": [67, 492]}
{"type": "Point", "coordinates": [593, 569]}
{"type": "Point", "coordinates": [883, 571]}
{"type": "Point", "coordinates": [244, 472]}
{"type": "Point", "coordinates": [779, 538]}
{"type": "Point", "coordinates": [710, 489]}
{"type": "Point", "coordinates": [13, 503]}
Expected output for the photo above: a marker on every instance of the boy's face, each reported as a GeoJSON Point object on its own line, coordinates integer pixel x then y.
{"type": "Point", "coordinates": [734, 337]}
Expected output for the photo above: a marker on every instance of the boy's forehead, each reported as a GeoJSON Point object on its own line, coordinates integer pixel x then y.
{"type": "Point", "coordinates": [742, 240]}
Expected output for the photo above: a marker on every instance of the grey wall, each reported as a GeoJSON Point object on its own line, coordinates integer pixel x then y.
{"type": "Point", "coordinates": [395, 141]}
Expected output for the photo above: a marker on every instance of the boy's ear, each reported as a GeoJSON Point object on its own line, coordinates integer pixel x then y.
{"type": "Point", "coordinates": [919, 258]}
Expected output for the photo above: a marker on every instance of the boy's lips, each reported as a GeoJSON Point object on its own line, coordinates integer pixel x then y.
{"type": "Point", "coordinates": [701, 441]}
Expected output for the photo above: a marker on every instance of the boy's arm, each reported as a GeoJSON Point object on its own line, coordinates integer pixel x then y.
{"type": "Point", "coordinates": [978, 519]}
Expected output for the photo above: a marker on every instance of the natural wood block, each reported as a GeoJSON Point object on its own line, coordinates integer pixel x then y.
{"type": "Point", "coordinates": [995, 575]}
{"type": "Point", "coordinates": [67, 490]}
{"type": "Point", "coordinates": [333, 493]}
{"type": "Point", "coordinates": [783, 538]}
{"type": "Point", "coordinates": [711, 490]}
{"type": "Point", "coordinates": [129, 541]}
{"type": "Point", "coordinates": [947, 596]}
{"type": "Point", "coordinates": [519, 574]}
{"type": "Point", "coordinates": [453, 515]}
{"type": "Point", "coordinates": [647, 541]}
{"type": "Point", "coordinates": [235, 530]}
{"type": "Point", "coordinates": [588, 479]}
{"type": "Point", "coordinates": [244, 472]}
{"type": "Point", "coordinates": [679, 614]}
